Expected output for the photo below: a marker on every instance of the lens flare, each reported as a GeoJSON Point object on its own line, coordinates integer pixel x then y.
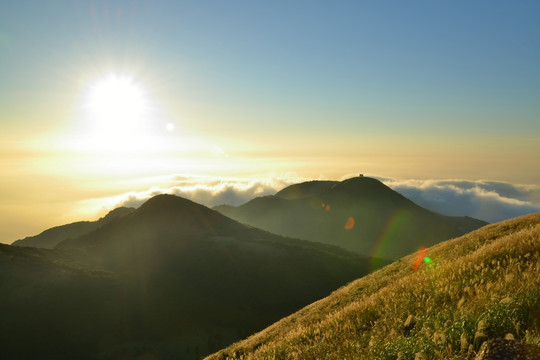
{"type": "Point", "coordinates": [419, 258]}
{"type": "Point", "coordinates": [349, 224]}
{"type": "Point", "coordinates": [385, 240]}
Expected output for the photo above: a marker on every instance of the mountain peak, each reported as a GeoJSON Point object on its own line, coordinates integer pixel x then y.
{"type": "Point", "coordinates": [163, 216]}
{"type": "Point", "coordinates": [364, 182]}
{"type": "Point", "coordinates": [176, 208]}
{"type": "Point", "coordinates": [360, 185]}
{"type": "Point", "coordinates": [167, 202]}
{"type": "Point", "coordinates": [366, 188]}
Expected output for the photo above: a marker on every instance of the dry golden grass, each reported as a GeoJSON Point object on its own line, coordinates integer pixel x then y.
{"type": "Point", "coordinates": [482, 285]}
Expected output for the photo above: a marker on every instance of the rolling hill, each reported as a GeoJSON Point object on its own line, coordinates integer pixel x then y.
{"type": "Point", "coordinates": [49, 238]}
{"type": "Point", "coordinates": [171, 279]}
{"type": "Point", "coordinates": [359, 214]}
{"type": "Point", "coordinates": [440, 303]}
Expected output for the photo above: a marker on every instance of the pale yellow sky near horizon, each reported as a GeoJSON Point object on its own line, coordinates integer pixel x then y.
{"type": "Point", "coordinates": [44, 185]}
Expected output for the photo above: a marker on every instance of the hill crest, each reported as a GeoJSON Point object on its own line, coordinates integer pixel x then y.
{"type": "Point", "coordinates": [360, 214]}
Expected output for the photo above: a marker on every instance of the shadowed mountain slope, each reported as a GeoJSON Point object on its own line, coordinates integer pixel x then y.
{"type": "Point", "coordinates": [50, 238]}
{"type": "Point", "coordinates": [54, 308]}
{"type": "Point", "coordinates": [359, 214]}
{"type": "Point", "coordinates": [440, 303]}
{"type": "Point", "coordinates": [172, 279]}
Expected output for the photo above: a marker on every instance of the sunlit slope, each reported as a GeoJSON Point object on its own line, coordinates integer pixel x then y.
{"type": "Point", "coordinates": [172, 279]}
{"type": "Point", "coordinates": [483, 285]}
{"type": "Point", "coordinates": [51, 237]}
{"type": "Point", "coordinates": [359, 214]}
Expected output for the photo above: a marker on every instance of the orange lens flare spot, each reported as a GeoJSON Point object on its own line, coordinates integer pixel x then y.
{"type": "Point", "coordinates": [328, 207]}
{"type": "Point", "coordinates": [419, 258]}
{"type": "Point", "coordinates": [349, 224]}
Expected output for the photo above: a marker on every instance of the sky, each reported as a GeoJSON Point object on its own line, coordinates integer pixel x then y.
{"type": "Point", "coordinates": [107, 102]}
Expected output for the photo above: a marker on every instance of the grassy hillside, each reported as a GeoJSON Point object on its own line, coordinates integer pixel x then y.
{"type": "Point", "coordinates": [172, 279]}
{"type": "Point", "coordinates": [483, 285]}
{"type": "Point", "coordinates": [359, 214]}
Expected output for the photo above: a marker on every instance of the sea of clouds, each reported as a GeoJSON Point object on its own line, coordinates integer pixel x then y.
{"type": "Point", "coordinates": [490, 201]}
{"type": "Point", "coordinates": [211, 191]}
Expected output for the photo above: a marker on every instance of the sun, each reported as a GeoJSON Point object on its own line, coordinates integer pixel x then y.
{"type": "Point", "coordinates": [117, 105]}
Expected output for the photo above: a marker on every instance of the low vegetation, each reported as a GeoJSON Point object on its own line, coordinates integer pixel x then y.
{"type": "Point", "coordinates": [483, 285]}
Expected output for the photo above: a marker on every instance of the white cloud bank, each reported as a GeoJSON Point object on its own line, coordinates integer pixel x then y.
{"type": "Point", "coordinates": [490, 201]}
{"type": "Point", "coordinates": [212, 191]}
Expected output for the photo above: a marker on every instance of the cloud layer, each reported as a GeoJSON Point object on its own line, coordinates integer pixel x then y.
{"type": "Point", "coordinates": [490, 201]}
{"type": "Point", "coordinates": [211, 191]}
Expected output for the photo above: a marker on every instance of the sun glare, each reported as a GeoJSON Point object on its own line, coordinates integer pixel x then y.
{"type": "Point", "coordinates": [118, 116]}
{"type": "Point", "coordinates": [122, 130]}
{"type": "Point", "coordinates": [117, 105]}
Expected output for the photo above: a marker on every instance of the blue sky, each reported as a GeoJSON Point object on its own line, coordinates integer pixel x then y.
{"type": "Point", "coordinates": [261, 90]}
{"type": "Point", "coordinates": [412, 66]}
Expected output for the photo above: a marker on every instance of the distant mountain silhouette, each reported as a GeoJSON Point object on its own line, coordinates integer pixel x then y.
{"type": "Point", "coordinates": [359, 214]}
{"type": "Point", "coordinates": [172, 279]}
{"type": "Point", "coordinates": [50, 238]}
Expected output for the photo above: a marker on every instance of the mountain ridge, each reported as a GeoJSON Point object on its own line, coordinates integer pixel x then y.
{"type": "Point", "coordinates": [51, 237]}
{"type": "Point", "coordinates": [171, 279]}
{"type": "Point", "coordinates": [360, 214]}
